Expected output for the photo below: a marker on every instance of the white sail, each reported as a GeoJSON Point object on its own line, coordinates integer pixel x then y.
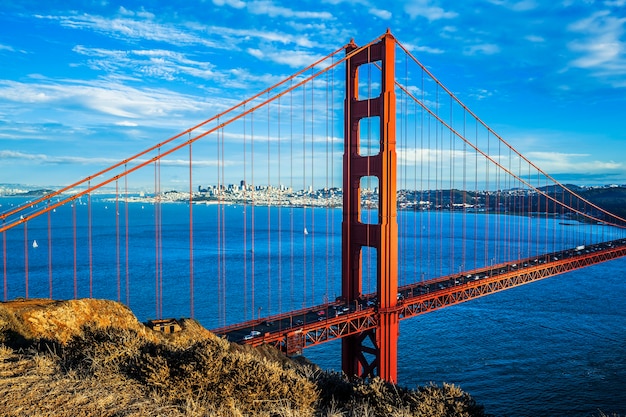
{"type": "Point", "coordinates": [306, 232]}
{"type": "Point", "coordinates": [35, 244]}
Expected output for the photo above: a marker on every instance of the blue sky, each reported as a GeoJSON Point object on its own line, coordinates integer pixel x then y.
{"type": "Point", "coordinates": [84, 84]}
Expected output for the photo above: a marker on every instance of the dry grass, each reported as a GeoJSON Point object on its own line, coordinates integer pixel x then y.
{"type": "Point", "coordinates": [81, 364]}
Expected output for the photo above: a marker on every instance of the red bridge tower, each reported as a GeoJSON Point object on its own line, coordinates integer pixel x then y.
{"type": "Point", "coordinates": [374, 352]}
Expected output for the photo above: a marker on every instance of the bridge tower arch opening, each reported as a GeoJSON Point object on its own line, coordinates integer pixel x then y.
{"type": "Point", "coordinates": [373, 352]}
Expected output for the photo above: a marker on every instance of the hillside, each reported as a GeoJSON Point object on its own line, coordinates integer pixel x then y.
{"type": "Point", "coordinates": [94, 358]}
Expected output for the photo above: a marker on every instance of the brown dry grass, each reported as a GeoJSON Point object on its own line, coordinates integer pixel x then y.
{"type": "Point", "coordinates": [93, 358]}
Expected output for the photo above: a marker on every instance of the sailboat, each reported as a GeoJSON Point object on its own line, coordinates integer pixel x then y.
{"type": "Point", "coordinates": [306, 232]}
{"type": "Point", "coordinates": [35, 244]}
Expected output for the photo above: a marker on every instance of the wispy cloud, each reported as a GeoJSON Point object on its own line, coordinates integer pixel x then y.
{"type": "Point", "coordinates": [381, 13]}
{"type": "Point", "coordinates": [156, 63]}
{"type": "Point", "coordinates": [104, 102]}
{"type": "Point", "coordinates": [600, 47]}
{"type": "Point", "coordinates": [295, 59]}
{"type": "Point", "coordinates": [40, 158]}
{"type": "Point", "coordinates": [49, 159]}
{"type": "Point", "coordinates": [128, 29]}
{"type": "Point", "coordinates": [270, 9]}
{"type": "Point", "coordinates": [482, 49]}
{"type": "Point", "coordinates": [426, 10]}
{"type": "Point", "coordinates": [573, 162]}
{"type": "Point", "coordinates": [518, 6]}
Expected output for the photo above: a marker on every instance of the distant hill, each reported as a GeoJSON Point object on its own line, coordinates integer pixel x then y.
{"type": "Point", "coordinates": [32, 193]}
{"type": "Point", "coordinates": [612, 199]}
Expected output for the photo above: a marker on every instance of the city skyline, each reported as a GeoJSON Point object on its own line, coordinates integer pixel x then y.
{"type": "Point", "coordinates": [84, 86]}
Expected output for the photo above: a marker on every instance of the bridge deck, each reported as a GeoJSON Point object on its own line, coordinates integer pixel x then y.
{"type": "Point", "coordinates": [296, 330]}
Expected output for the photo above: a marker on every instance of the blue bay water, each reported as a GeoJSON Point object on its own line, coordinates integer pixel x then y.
{"type": "Point", "coordinates": [555, 347]}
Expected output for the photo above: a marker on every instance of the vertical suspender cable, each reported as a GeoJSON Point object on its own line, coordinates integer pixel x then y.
{"type": "Point", "coordinates": [416, 205]}
{"type": "Point", "coordinates": [452, 199]}
{"type": "Point", "coordinates": [280, 211]}
{"type": "Point", "coordinates": [50, 253]}
{"type": "Point", "coordinates": [489, 256]}
{"type": "Point", "coordinates": [327, 195]}
{"type": "Point", "coordinates": [438, 191]}
{"type": "Point", "coordinates": [26, 258]}
{"type": "Point", "coordinates": [422, 151]}
{"type": "Point", "coordinates": [126, 257]}
{"type": "Point", "coordinates": [245, 222]}
{"type": "Point", "coordinates": [476, 202]}
{"type": "Point", "coordinates": [157, 236]}
{"type": "Point", "coordinates": [191, 265]}
{"type": "Point", "coordinates": [220, 202]}
{"type": "Point", "coordinates": [90, 238]}
{"type": "Point", "coordinates": [528, 220]}
{"type": "Point", "coordinates": [4, 263]}
{"type": "Point", "coordinates": [332, 177]}
{"type": "Point", "coordinates": [223, 227]}
{"type": "Point", "coordinates": [430, 272]}
{"type": "Point", "coordinates": [413, 195]}
{"type": "Point", "coordinates": [464, 226]}
{"type": "Point", "coordinates": [291, 210]}
{"type": "Point", "coordinates": [117, 242]}
{"type": "Point", "coordinates": [160, 244]}
{"type": "Point", "coordinates": [268, 192]}
{"type": "Point", "coordinates": [156, 247]}
{"type": "Point", "coordinates": [252, 225]}
{"type": "Point", "coordinates": [313, 190]}
{"type": "Point", "coordinates": [74, 247]}
{"type": "Point", "coordinates": [304, 187]}
{"type": "Point", "coordinates": [369, 177]}
{"type": "Point", "coordinates": [496, 222]}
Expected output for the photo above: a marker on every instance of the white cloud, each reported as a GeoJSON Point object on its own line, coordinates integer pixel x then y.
{"type": "Point", "coordinates": [423, 48]}
{"type": "Point", "coordinates": [156, 63]}
{"type": "Point", "coordinates": [49, 159]}
{"type": "Point", "coordinates": [518, 6]}
{"type": "Point", "coordinates": [535, 38]}
{"type": "Point", "coordinates": [276, 37]}
{"type": "Point", "coordinates": [381, 13]}
{"type": "Point", "coordinates": [423, 8]}
{"type": "Point", "coordinates": [294, 59]}
{"type": "Point", "coordinates": [132, 29]}
{"type": "Point", "coordinates": [559, 162]}
{"type": "Point", "coordinates": [106, 102]}
{"type": "Point", "coordinates": [599, 47]}
{"type": "Point", "coordinates": [268, 8]}
{"type": "Point", "coordinates": [237, 4]}
{"type": "Point", "coordinates": [41, 158]}
{"type": "Point", "coordinates": [485, 49]}
{"type": "Point", "coordinates": [142, 13]}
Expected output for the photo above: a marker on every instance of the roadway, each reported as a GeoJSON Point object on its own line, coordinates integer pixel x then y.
{"type": "Point", "coordinates": [338, 319]}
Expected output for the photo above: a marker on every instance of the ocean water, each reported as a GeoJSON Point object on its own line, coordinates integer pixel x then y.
{"type": "Point", "coordinates": [556, 347]}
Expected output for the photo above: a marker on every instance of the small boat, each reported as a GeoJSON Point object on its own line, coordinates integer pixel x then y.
{"type": "Point", "coordinates": [35, 244]}
{"type": "Point", "coordinates": [306, 232]}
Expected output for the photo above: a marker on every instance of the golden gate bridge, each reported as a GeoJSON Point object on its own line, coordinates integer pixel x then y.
{"type": "Point", "coordinates": [437, 209]}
